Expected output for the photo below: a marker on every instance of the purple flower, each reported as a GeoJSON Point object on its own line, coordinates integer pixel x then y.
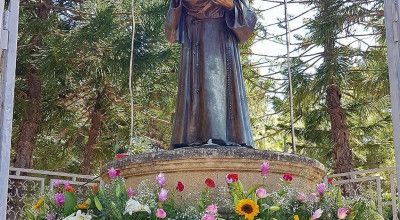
{"type": "Point", "coordinates": [321, 187]}
{"type": "Point", "coordinates": [51, 216]}
{"type": "Point", "coordinates": [59, 199]}
{"type": "Point", "coordinates": [56, 183]}
{"type": "Point", "coordinates": [163, 195]}
{"type": "Point", "coordinates": [317, 214]}
{"type": "Point", "coordinates": [342, 213]}
{"type": "Point", "coordinates": [131, 192]}
{"type": "Point", "coordinates": [212, 209]}
{"type": "Point", "coordinates": [208, 217]}
{"type": "Point", "coordinates": [113, 173]}
{"type": "Point", "coordinates": [160, 213]}
{"type": "Point", "coordinates": [264, 169]}
{"type": "Point", "coordinates": [161, 180]}
{"type": "Point", "coordinates": [261, 193]}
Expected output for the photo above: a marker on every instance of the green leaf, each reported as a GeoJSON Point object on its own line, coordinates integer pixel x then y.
{"type": "Point", "coordinates": [70, 203]}
{"type": "Point", "coordinates": [118, 190]}
{"type": "Point", "coordinates": [98, 204]}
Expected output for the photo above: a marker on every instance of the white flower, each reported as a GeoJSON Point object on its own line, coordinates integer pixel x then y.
{"type": "Point", "coordinates": [134, 206]}
{"type": "Point", "coordinates": [79, 215]}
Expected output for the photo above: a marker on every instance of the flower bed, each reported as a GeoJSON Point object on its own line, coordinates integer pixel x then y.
{"type": "Point", "coordinates": [152, 200]}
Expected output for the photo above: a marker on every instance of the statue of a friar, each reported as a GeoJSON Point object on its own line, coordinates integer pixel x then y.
{"type": "Point", "coordinates": [211, 104]}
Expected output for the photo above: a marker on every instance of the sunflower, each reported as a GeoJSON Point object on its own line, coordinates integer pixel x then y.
{"type": "Point", "coordinates": [296, 217]}
{"type": "Point", "coordinates": [248, 208]}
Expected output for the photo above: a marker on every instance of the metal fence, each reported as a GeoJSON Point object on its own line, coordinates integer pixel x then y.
{"type": "Point", "coordinates": [23, 183]}
{"type": "Point", "coordinates": [380, 184]}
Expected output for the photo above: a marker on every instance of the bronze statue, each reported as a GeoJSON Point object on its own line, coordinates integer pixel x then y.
{"type": "Point", "coordinates": [211, 103]}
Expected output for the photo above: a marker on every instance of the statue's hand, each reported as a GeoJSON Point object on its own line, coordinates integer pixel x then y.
{"type": "Point", "coordinates": [224, 3]}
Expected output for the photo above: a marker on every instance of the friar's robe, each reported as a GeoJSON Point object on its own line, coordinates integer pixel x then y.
{"type": "Point", "coordinates": [211, 100]}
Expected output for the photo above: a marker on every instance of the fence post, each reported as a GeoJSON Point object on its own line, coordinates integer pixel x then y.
{"type": "Point", "coordinates": [8, 53]}
{"type": "Point", "coordinates": [392, 39]}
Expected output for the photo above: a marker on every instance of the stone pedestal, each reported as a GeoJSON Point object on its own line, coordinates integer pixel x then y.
{"type": "Point", "coordinates": [193, 165]}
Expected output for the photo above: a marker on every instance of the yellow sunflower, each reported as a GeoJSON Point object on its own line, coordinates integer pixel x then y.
{"type": "Point", "coordinates": [296, 217]}
{"type": "Point", "coordinates": [248, 208]}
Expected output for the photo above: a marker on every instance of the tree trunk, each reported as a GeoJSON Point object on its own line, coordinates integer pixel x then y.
{"type": "Point", "coordinates": [94, 134]}
{"type": "Point", "coordinates": [29, 127]}
{"type": "Point", "coordinates": [342, 153]}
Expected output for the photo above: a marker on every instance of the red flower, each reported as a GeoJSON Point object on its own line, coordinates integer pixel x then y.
{"type": "Point", "coordinates": [330, 181]}
{"type": "Point", "coordinates": [232, 177]}
{"type": "Point", "coordinates": [120, 156]}
{"type": "Point", "coordinates": [210, 183]}
{"type": "Point", "coordinates": [180, 186]}
{"type": "Point", "coordinates": [287, 177]}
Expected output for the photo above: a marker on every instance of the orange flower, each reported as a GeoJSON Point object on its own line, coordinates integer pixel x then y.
{"type": "Point", "coordinates": [95, 188]}
{"type": "Point", "coordinates": [70, 189]}
{"type": "Point", "coordinates": [83, 206]}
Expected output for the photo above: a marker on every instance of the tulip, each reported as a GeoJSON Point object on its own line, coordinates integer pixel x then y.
{"type": "Point", "coordinates": [160, 213]}
{"type": "Point", "coordinates": [261, 193]}
{"type": "Point", "coordinates": [212, 209]}
{"type": "Point", "coordinates": [342, 213]}
{"type": "Point", "coordinates": [321, 187]}
{"type": "Point", "coordinates": [317, 214]}
{"type": "Point", "coordinates": [264, 169]}
{"type": "Point", "coordinates": [232, 177]}
{"type": "Point", "coordinates": [161, 180]}
{"type": "Point", "coordinates": [113, 173]}
{"type": "Point", "coordinates": [163, 195]}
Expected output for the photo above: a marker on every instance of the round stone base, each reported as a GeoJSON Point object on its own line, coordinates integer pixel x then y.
{"type": "Point", "coordinates": [193, 166]}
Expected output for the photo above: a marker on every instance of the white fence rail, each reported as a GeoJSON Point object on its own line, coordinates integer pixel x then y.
{"type": "Point", "coordinates": [381, 183]}
{"type": "Point", "coordinates": [23, 183]}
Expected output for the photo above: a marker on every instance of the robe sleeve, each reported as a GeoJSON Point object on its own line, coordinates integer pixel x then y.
{"type": "Point", "coordinates": [172, 21]}
{"type": "Point", "coordinates": [241, 20]}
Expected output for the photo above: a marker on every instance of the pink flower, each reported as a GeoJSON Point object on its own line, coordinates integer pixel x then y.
{"type": "Point", "coordinates": [264, 169]}
{"type": "Point", "coordinates": [261, 193]}
{"type": "Point", "coordinates": [208, 217]}
{"type": "Point", "coordinates": [212, 209]}
{"type": "Point", "coordinates": [232, 177]}
{"type": "Point", "coordinates": [163, 195]}
{"type": "Point", "coordinates": [321, 187]}
{"type": "Point", "coordinates": [301, 197]}
{"type": "Point", "coordinates": [161, 180]}
{"type": "Point", "coordinates": [342, 213]}
{"type": "Point", "coordinates": [66, 185]}
{"type": "Point", "coordinates": [131, 192]}
{"type": "Point", "coordinates": [160, 213]}
{"type": "Point", "coordinates": [317, 214]}
{"type": "Point", "coordinates": [120, 156]}
{"type": "Point", "coordinates": [113, 173]}
{"type": "Point", "coordinates": [59, 199]}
